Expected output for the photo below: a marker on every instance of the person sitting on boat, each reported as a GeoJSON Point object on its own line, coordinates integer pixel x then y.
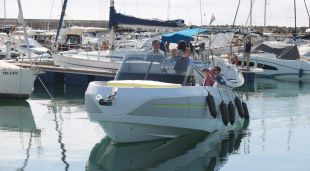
{"type": "Point", "coordinates": [209, 78]}
{"type": "Point", "coordinates": [170, 61]}
{"type": "Point", "coordinates": [218, 79]}
{"type": "Point", "coordinates": [188, 54]}
{"type": "Point", "coordinates": [182, 62]}
{"type": "Point", "coordinates": [181, 48]}
{"type": "Point", "coordinates": [155, 54]}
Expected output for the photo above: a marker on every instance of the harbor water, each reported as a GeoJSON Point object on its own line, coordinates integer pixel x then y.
{"type": "Point", "coordinates": [55, 134]}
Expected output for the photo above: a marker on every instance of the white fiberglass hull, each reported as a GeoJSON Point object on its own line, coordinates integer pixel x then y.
{"type": "Point", "coordinates": [68, 60]}
{"type": "Point", "coordinates": [16, 82]}
{"type": "Point", "coordinates": [90, 60]}
{"type": "Point", "coordinates": [143, 114]}
{"type": "Point", "coordinates": [288, 70]}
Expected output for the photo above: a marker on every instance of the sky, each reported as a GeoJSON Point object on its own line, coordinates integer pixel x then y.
{"type": "Point", "coordinates": [279, 12]}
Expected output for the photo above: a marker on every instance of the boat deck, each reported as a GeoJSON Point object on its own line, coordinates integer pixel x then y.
{"type": "Point", "coordinates": [82, 71]}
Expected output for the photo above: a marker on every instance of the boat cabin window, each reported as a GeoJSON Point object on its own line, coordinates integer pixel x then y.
{"type": "Point", "coordinates": [267, 67]}
{"type": "Point", "coordinates": [151, 67]}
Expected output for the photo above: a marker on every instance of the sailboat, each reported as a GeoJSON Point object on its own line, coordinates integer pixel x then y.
{"type": "Point", "coordinates": [111, 58]}
{"type": "Point", "coordinates": [16, 82]}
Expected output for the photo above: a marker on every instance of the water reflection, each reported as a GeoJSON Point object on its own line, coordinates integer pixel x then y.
{"type": "Point", "coordinates": [16, 116]}
{"type": "Point", "coordinates": [278, 87]}
{"type": "Point", "coordinates": [190, 152]}
{"type": "Point", "coordinates": [58, 128]}
{"type": "Point", "coordinates": [59, 91]}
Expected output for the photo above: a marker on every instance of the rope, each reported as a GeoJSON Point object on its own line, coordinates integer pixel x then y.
{"type": "Point", "coordinates": [45, 88]}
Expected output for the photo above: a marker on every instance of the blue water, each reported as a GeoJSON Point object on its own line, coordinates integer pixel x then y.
{"type": "Point", "coordinates": [44, 134]}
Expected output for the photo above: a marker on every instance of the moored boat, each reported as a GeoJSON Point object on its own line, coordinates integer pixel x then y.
{"type": "Point", "coordinates": [147, 101]}
{"type": "Point", "coordinates": [16, 82]}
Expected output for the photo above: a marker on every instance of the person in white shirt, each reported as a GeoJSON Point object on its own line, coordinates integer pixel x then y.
{"type": "Point", "coordinates": [155, 54]}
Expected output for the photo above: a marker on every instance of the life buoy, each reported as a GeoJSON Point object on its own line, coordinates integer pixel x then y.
{"type": "Point", "coordinates": [246, 111]}
{"type": "Point", "coordinates": [211, 104]}
{"type": "Point", "coordinates": [239, 107]}
{"type": "Point", "coordinates": [231, 111]}
{"type": "Point", "coordinates": [224, 113]}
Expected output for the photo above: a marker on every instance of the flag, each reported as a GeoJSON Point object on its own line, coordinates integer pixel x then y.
{"type": "Point", "coordinates": [212, 19]}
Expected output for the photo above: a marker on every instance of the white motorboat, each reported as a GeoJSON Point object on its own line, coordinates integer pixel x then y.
{"type": "Point", "coordinates": [147, 101]}
{"type": "Point", "coordinates": [280, 61]}
{"type": "Point", "coordinates": [16, 82]}
{"type": "Point", "coordinates": [304, 50]}
{"type": "Point", "coordinates": [189, 152]}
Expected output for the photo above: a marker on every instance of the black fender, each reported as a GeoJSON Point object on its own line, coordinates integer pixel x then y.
{"type": "Point", "coordinates": [239, 107]}
{"type": "Point", "coordinates": [246, 111]}
{"type": "Point", "coordinates": [211, 105]}
{"type": "Point", "coordinates": [231, 111]}
{"type": "Point", "coordinates": [224, 113]}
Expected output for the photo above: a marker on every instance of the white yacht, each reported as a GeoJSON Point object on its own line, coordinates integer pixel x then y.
{"type": "Point", "coordinates": [16, 82]}
{"type": "Point", "coordinates": [147, 101]}
{"type": "Point", "coordinates": [279, 61]}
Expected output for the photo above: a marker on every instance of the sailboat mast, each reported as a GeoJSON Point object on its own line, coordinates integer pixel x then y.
{"type": "Point", "coordinates": [251, 13]}
{"type": "Point", "coordinates": [236, 14]}
{"type": "Point", "coordinates": [295, 15]}
{"type": "Point", "coordinates": [112, 32]}
{"type": "Point", "coordinates": [265, 11]}
{"type": "Point", "coordinates": [60, 24]}
{"type": "Point", "coordinates": [21, 20]}
{"type": "Point", "coordinates": [307, 12]}
{"type": "Point", "coordinates": [168, 12]}
{"type": "Point", "coordinates": [200, 13]}
{"type": "Point", "coordinates": [4, 6]}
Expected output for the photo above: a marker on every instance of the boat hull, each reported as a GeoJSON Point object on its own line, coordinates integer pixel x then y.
{"type": "Point", "coordinates": [288, 70]}
{"type": "Point", "coordinates": [16, 83]}
{"type": "Point", "coordinates": [144, 114]}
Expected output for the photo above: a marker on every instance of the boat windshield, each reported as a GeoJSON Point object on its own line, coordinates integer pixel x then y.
{"type": "Point", "coordinates": [154, 67]}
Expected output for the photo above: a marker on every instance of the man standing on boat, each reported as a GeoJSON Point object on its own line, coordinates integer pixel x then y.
{"type": "Point", "coordinates": [155, 54]}
{"type": "Point", "coordinates": [247, 52]}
